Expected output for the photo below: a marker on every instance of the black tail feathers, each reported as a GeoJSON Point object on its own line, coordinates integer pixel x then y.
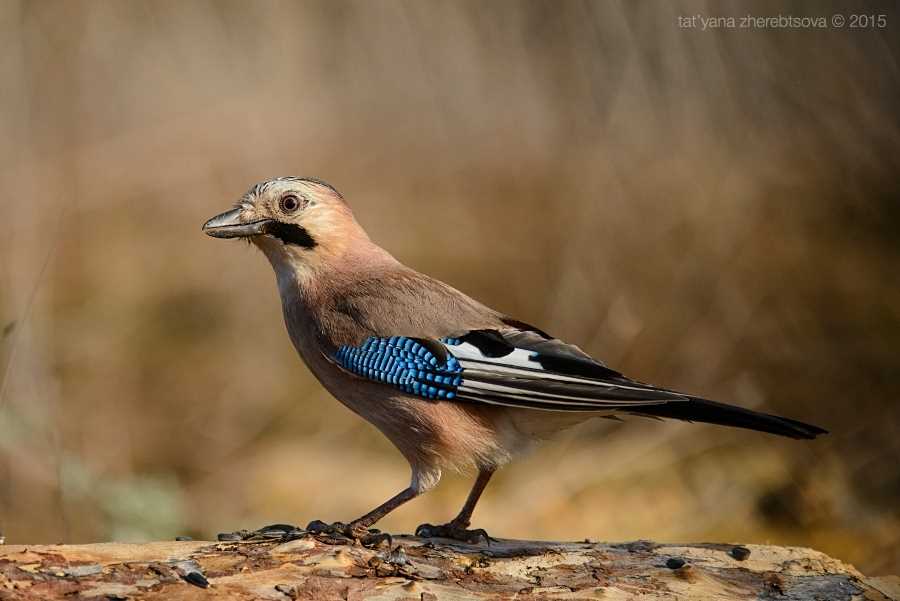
{"type": "Point", "coordinates": [711, 412]}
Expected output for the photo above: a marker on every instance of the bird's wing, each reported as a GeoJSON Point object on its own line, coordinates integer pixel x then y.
{"type": "Point", "coordinates": [425, 338]}
{"type": "Point", "coordinates": [512, 367]}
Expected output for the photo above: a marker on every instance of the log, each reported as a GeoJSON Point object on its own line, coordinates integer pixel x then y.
{"type": "Point", "coordinates": [421, 570]}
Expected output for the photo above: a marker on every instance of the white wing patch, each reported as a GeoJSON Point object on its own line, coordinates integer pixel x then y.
{"type": "Point", "coordinates": [518, 379]}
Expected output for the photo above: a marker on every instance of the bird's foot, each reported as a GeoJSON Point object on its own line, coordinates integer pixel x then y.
{"type": "Point", "coordinates": [340, 533]}
{"type": "Point", "coordinates": [337, 533]}
{"type": "Point", "coordinates": [454, 532]}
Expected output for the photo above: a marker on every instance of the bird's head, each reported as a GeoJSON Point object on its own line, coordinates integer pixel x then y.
{"type": "Point", "coordinates": [301, 224]}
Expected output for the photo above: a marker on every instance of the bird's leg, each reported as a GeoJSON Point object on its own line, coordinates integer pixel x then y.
{"type": "Point", "coordinates": [359, 528]}
{"type": "Point", "coordinates": [456, 529]}
{"type": "Point", "coordinates": [465, 515]}
{"type": "Point", "coordinates": [423, 479]}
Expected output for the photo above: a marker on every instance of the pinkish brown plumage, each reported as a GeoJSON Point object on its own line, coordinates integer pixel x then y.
{"type": "Point", "coordinates": [451, 382]}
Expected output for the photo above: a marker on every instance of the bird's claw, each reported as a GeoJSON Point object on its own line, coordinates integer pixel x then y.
{"type": "Point", "coordinates": [453, 532]}
{"type": "Point", "coordinates": [375, 539]}
{"type": "Point", "coordinates": [338, 532]}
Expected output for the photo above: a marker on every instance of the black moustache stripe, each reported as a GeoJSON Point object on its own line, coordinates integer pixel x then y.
{"type": "Point", "coordinates": [290, 233]}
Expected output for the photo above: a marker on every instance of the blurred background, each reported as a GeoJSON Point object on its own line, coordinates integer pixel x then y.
{"type": "Point", "coordinates": [716, 211]}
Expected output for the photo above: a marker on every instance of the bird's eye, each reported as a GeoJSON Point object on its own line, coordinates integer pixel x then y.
{"type": "Point", "coordinates": [290, 203]}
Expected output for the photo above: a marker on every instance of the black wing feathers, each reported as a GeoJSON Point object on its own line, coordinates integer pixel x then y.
{"type": "Point", "coordinates": [711, 412]}
{"type": "Point", "coordinates": [561, 377]}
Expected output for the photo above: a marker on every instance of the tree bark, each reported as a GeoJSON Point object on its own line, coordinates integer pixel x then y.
{"type": "Point", "coordinates": [420, 570]}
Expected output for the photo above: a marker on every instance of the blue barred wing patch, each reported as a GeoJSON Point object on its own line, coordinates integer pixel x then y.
{"type": "Point", "coordinates": [482, 367]}
{"type": "Point", "coordinates": [406, 363]}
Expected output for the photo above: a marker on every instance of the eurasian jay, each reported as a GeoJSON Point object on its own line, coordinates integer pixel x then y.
{"type": "Point", "coordinates": [452, 383]}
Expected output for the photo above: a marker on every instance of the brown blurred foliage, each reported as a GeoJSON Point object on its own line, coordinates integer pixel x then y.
{"type": "Point", "coordinates": [716, 211]}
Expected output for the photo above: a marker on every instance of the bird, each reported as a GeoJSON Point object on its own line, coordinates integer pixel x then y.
{"type": "Point", "coordinates": [451, 382]}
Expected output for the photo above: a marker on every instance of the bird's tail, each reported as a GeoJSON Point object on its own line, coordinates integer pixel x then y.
{"type": "Point", "coordinates": [711, 412]}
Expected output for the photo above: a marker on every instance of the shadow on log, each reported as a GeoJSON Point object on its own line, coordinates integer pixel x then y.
{"type": "Point", "coordinates": [420, 570]}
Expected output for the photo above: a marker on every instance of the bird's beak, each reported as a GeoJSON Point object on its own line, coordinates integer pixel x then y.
{"type": "Point", "coordinates": [228, 225]}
